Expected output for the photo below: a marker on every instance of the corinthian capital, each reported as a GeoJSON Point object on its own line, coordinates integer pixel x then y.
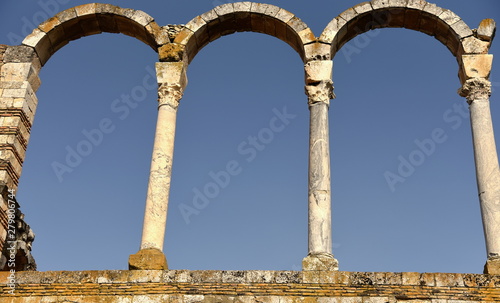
{"type": "Point", "coordinates": [170, 95]}
{"type": "Point", "coordinates": [321, 91]}
{"type": "Point", "coordinates": [475, 89]}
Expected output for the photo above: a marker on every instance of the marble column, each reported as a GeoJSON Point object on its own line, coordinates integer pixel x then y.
{"type": "Point", "coordinates": [319, 90]}
{"type": "Point", "coordinates": [172, 81]}
{"type": "Point", "coordinates": [477, 92]}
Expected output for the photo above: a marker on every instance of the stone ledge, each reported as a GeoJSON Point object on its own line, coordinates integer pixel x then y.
{"type": "Point", "coordinates": [254, 276]}
{"type": "Point", "coordinates": [183, 286]}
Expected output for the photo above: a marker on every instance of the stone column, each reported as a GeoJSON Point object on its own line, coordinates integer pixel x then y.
{"type": "Point", "coordinates": [477, 92]}
{"type": "Point", "coordinates": [172, 81]}
{"type": "Point", "coordinates": [476, 88]}
{"type": "Point", "coordinates": [319, 90]}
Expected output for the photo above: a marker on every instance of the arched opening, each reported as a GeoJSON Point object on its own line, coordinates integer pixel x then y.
{"type": "Point", "coordinates": [87, 164]}
{"type": "Point", "coordinates": [413, 166]}
{"type": "Point", "coordinates": [244, 105]}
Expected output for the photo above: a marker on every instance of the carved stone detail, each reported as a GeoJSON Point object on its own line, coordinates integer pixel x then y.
{"type": "Point", "coordinates": [475, 89]}
{"type": "Point", "coordinates": [173, 30]}
{"type": "Point", "coordinates": [170, 95]}
{"type": "Point", "coordinates": [321, 91]}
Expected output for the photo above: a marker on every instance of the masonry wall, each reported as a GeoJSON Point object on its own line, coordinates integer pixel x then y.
{"type": "Point", "coordinates": [183, 286]}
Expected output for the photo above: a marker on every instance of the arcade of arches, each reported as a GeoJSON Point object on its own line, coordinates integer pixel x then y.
{"type": "Point", "coordinates": [177, 45]}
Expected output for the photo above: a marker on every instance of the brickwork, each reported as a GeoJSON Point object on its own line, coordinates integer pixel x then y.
{"type": "Point", "coordinates": [249, 286]}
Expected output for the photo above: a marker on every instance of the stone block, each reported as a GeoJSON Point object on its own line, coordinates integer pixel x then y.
{"type": "Point", "coordinates": [378, 4]}
{"type": "Point", "coordinates": [449, 280]}
{"type": "Point", "coordinates": [89, 25]}
{"type": "Point", "coordinates": [332, 29]}
{"type": "Point", "coordinates": [258, 8]}
{"type": "Point", "coordinates": [49, 24]}
{"type": "Point", "coordinates": [171, 52]}
{"type": "Point", "coordinates": [461, 29]}
{"type": "Point", "coordinates": [284, 15]}
{"type": "Point", "coordinates": [433, 10]}
{"type": "Point", "coordinates": [322, 263]}
{"type": "Point", "coordinates": [448, 17]}
{"type": "Point", "coordinates": [296, 24]}
{"type": "Point", "coordinates": [107, 22]}
{"type": "Point", "coordinates": [148, 259]}
{"type": "Point", "coordinates": [233, 276]}
{"type": "Point", "coordinates": [272, 10]}
{"type": "Point", "coordinates": [416, 4]}
{"type": "Point", "coordinates": [492, 267]}
{"type": "Point", "coordinates": [86, 9]}
{"type": "Point", "coordinates": [171, 73]}
{"type": "Point", "coordinates": [224, 9]}
{"type": "Point", "coordinates": [16, 72]}
{"type": "Point", "coordinates": [66, 15]}
{"type": "Point", "coordinates": [260, 276]}
{"type": "Point", "coordinates": [145, 276]}
{"type": "Point", "coordinates": [306, 36]}
{"type": "Point", "coordinates": [362, 8]}
{"type": "Point", "coordinates": [477, 66]}
{"type": "Point", "coordinates": [472, 45]}
{"type": "Point", "coordinates": [270, 25]}
{"type": "Point", "coordinates": [317, 71]}
{"type": "Point", "coordinates": [206, 276]}
{"type": "Point", "coordinates": [242, 6]}
{"type": "Point", "coordinates": [57, 38]}
{"type": "Point", "coordinates": [160, 36]}
{"type": "Point", "coordinates": [195, 24]}
{"type": "Point", "coordinates": [428, 24]}
{"type": "Point", "coordinates": [141, 18]}
{"type": "Point", "coordinates": [258, 24]}
{"type": "Point", "coordinates": [348, 14]}
{"type": "Point", "coordinates": [317, 51]}
{"type": "Point", "coordinates": [412, 19]}
{"type": "Point", "coordinates": [486, 29]}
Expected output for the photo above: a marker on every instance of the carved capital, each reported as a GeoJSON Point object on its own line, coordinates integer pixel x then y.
{"type": "Point", "coordinates": [321, 91]}
{"type": "Point", "coordinates": [170, 95]}
{"type": "Point", "coordinates": [475, 89]}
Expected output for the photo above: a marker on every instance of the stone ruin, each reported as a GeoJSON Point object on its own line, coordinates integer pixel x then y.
{"type": "Point", "coordinates": [149, 279]}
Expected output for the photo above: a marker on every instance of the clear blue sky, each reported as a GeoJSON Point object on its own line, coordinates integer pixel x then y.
{"type": "Point", "coordinates": [393, 87]}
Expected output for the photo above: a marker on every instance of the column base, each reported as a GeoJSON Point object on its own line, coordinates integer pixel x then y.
{"type": "Point", "coordinates": [320, 262]}
{"type": "Point", "coordinates": [148, 259]}
{"type": "Point", "coordinates": [492, 267]}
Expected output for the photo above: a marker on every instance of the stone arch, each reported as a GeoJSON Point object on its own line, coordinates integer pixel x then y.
{"type": "Point", "coordinates": [91, 19]}
{"type": "Point", "coordinates": [229, 18]}
{"type": "Point", "coordinates": [417, 15]}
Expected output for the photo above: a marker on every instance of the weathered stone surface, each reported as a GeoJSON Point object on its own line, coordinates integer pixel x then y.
{"type": "Point", "coordinates": [284, 15]}
{"type": "Point", "coordinates": [348, 14]}
{"type": "Point", "coordinates": [171, 52]}
{"type": "Point", "coordinates": [320, 263]}
{"type": "Point", "coordinates": [486, 29]}
{"type": "Point", "coordinates": [148, 259]}
{"type": "Point", "coordinates": [332, 30]}
{"type": "Point", "coordinates": [317, 71]}
{"type": "Point", "coordinates": [363, 8]}
{"type": "Point", "coordinates": [416, 4]}
{"type": "Point", "coordinates": [477, 66]}
{"type": "Point", "coordinates": [473, 45]}
{"type": "Point", "coordinates": [492, 266]}
{"type": "Point", "coordinates": [461, 29]}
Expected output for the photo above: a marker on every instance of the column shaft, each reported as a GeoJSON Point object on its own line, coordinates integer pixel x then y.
{"type": "Point", "coordinates": [320, 225]}
{"type": "Point", "coordinates": [487, 173]}
{"type": "Point", "coordinates": [155, 215]}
